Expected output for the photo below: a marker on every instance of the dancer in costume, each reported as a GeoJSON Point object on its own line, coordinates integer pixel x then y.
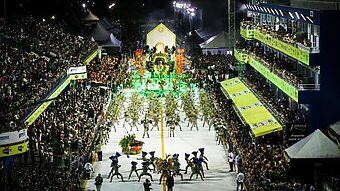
{"type": "Point", "coordinates": [189, 163]}
{"type": "Point", "coordinates": [115, 166]}
{"type": "Point", "coordinates": [133, 169]}
{"type": "Point", "coordinates": [196, 169]}
{"type": "Point", "coordinates": [203, 158]}
{"type": "Point", "coordinates": [146, 123]}
{"type": "Point", "coordinates": [152, 160]}
{"type": "Point", "coordinates": [177, 166]}
{"type": "Point", "coordinates": [145, 171]}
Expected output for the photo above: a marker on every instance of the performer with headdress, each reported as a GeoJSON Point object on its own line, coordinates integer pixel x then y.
{"type": "Point", "coordinates": [196, 168]}
{"type": "Point", "coordinates": [133, 169]}
{"type": "Point", "coordinates": [152, 160]}
{"type": "Point", "coordinates": [177, 166]}
{"type": "Point", "coordinates": [189, 163]}
{"type": "Point", "coordinates": [204, 158]}
{"type": "Point", "coordinates": [145, 171]}
{"type": "Point", "coordinates": [115, 166]}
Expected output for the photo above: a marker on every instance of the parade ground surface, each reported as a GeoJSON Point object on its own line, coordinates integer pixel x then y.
{"type": "Point", "coordinates": [185, 141]}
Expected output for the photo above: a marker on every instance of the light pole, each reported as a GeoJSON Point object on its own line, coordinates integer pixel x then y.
{"type": "Point", "coordinates": [5, 8]}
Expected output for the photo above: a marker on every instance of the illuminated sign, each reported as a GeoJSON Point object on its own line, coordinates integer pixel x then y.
{"type": "Point", "coordinates": [290, 50]}
{"type": "Point", "coordinates": [287, 88]}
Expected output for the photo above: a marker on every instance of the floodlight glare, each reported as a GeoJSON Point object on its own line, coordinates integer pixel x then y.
{"type": "Point", "coordinates": [112, 5]}
{"type": "Point", "coordinates": [84, 5]}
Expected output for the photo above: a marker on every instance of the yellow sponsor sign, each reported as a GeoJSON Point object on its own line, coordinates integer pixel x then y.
{"type": "Point", "coordinates": [15, 149]}
{"type": "Point", "coordinates": [254, 113]}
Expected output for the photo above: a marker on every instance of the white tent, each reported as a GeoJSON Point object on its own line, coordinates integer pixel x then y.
{"type": "Point", "coordinates": [217, 44]}
{"type": "Point", "coordinates": [334, 132]}
{"type": "Point", "coordinates": [336, 127]}
{"type": "Point", "coordinates": [113, 41]}
{"type": "Point", "coordinates": [315, 146]}
{"type": "Point", "coordinates": [90, 16]}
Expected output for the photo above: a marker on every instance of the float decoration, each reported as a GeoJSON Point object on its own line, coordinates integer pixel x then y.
{"type": "Point", "coordinates": [130, 145]}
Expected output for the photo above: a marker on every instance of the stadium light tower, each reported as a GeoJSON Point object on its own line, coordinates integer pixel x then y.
{"type": "Point", "coordinates": [231, 23]}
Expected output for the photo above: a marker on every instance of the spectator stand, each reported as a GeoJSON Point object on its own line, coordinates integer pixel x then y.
{"type": "Point", "coordinates": [100, 131]}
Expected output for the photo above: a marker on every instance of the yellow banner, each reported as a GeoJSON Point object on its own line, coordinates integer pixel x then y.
{"type": "Point", "coordinates": [11, 150]}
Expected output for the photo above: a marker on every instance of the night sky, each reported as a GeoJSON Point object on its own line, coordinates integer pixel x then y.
{"type": "Point", "coordinates": [129, 9]}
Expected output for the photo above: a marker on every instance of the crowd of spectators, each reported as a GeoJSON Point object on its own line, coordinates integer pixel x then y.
{"type": "Point", "coordinates": [279, 66]}
{"type": "Point", "coordinates": [210, 69]}
{"type": "Point", "coordinates": [281, 34]}
{"type": "Point", "coordinates": [102, 70]}
{"type": "Point", "coordinates": [262, 160]}
{"type": "Point", "coordinates": [25, 76]}
{"type": "Point", "coordinates": [61, 141]}
{"type": "Point", "coordinates": [110, 71]}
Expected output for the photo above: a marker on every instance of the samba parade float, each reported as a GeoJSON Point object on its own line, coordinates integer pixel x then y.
{"type": "Point", "coordinates": [160, 67]}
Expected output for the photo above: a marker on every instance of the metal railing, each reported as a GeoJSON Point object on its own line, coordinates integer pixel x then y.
{"type": "Point", "coordinates": [309, 87]}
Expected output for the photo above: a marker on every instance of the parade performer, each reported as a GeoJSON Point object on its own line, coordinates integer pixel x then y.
{"type": "Point", "coordinates": [189, 163]}
{"type": "Point", "coordinates": [133, 169]}
{"type": "Point", "coordinates": [144, 171]}
{"type": "Point", "coordinates": [115, 166]}
{"type": "Point", "coordinates": [146, 123]}
{"type": "Point", "coordinates": [196, 169]}
{"type": "Point", "coordinates": [177, 166]}
{"type": "Point", "coordinates": [203, 158]}
{"type": "Point", "coordinates": [152, 160]}
{"type": "Point", "coordinates": [144, 158]}
{"type": "Point", "coordinates": [156, 121]}
{"type": "Point", "coordinates": [171, 125]}
{"type": "Point", "coordinates": [165, 169]}
{"type": "Point", "coordinates": [178, 120]}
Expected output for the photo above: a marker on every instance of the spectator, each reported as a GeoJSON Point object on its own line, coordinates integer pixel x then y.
{"type": "Point", "coordinates": [98, 182]}
{"type": "Point", "coordinates": [231, 161]}
{"type": "Point", "coordinates": [239, 180]}
{"type": "Point", "coordinates": [170, 182]}
{"type": "Point", "coordinates": [147, 185]}
{"type": "Point", "coordinates": [88, 170]}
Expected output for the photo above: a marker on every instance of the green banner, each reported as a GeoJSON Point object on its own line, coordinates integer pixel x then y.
{"type": "Point", "coordinates": [254, 113]}
{"type": "Point", "coordinates": [91, 56]}
{"type": "Point", "coordinates": [240, 56]}
{"type": "Point", "coordinates": [290, 50]}
{"type": "Point", "coordinates": [287, 88]}
{"type": "Point", "coordinates": [247, 34]}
